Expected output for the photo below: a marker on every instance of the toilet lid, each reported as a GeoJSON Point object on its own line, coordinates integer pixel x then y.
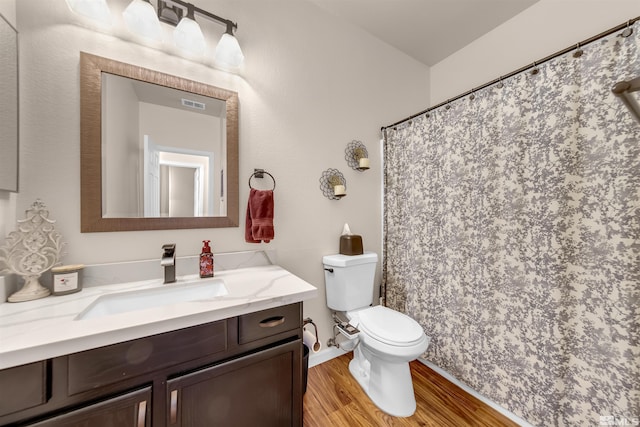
{"type": "Point", "coordinates": [389, 326]}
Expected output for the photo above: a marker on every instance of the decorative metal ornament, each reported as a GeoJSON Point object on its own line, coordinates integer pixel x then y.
{"type": "Point", "coordinates": [30, 251]}
{"type": "Point", "coordinates": [333, 185]}
{"type": "Point", "coordinates": [357, 156]}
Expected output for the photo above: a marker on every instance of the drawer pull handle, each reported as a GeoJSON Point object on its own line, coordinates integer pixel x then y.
{"type": "Point", "coordinates": [142, 413]}
{"type": "Point", "coordinates": [272, 322]}
{"type": "Point", "coordinates": [174, 406]}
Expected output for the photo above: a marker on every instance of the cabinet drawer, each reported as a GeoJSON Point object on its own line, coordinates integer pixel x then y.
{"type": "Point", "coordinates": [23, 387]}
{"type": "Point", "coordinates": [265, 323]}
{"type": "Point", "coordinates": [107, 365]}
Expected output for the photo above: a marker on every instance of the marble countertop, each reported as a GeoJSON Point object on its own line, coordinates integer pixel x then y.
{"type": "Point", "coordinates": [46, 328]}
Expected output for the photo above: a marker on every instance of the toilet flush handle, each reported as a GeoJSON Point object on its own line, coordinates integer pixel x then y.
{"type": "Point", "coordinates": [330, 270]}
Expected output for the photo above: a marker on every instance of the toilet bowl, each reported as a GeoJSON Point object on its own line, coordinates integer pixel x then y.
{"type": "Point", "coordinates": [388, 340]}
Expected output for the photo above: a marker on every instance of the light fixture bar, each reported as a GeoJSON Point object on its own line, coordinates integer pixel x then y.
{"type": "Point", "coordinates": [164, 4]}
{"type": "Point", "coordinates": [169, 14]}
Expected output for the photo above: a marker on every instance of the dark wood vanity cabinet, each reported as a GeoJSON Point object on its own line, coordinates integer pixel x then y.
{"type": "Point", "coordinates": [129, 410]}
{"type": "Point", "coordinates": [242, 371]}
{"type": "Point", "coordinates": [256, 390]}
{"type": "Point", "coordinates": [24, 387]}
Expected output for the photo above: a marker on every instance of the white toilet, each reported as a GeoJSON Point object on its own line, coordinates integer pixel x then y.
{"type": "Point", "coordinates": [389, 340]}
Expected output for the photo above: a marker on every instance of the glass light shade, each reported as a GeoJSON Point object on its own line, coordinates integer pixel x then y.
{"type": "Point", "coordinates": [188, 36]}
{"type": "Point", "coordinates": [140, 18]}
{"type": "Point", "coordinates": [98, 10]}
{"type": "Point", "coordinates": [228, 53]}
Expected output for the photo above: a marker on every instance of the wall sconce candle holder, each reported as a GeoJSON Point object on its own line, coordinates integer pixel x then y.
{"type": "Point", "coordinates": [357, 156]}
{"type": "Point", "coordinates": [333, 185]}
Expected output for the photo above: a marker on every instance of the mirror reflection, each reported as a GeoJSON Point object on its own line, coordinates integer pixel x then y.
{"type": "Point", "coordinates": [169, 143]}
{"type": "Point", "coordinates": [158, 152]}
{"type": "Point", "coordinates": [8, 106]}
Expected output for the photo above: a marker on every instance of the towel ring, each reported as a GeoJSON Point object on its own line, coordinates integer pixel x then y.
{"type": "Point", "coordinates": [258, 174]}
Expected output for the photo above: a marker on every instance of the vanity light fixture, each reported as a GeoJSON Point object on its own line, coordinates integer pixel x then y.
{"type": "Point", "coordinates": [140, 18]}
{"type": "Point", "coordinates": [98, 10]}
{"type": "Point", "coordinates": [228, 53]}
{"type": "Point", "coordinates": [188, 35]}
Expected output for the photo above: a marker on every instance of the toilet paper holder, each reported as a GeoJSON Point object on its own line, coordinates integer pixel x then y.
{"type": "Point", "coordinates": [309, 321]}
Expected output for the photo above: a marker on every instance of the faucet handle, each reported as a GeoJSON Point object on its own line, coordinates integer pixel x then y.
{"type": "Point", "coordinates": [168, 258]}
{"type": "Point", "coordinates": [168, 261]}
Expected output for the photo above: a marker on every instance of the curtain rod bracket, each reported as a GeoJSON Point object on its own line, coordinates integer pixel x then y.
{"type": "Point", "coordinates": [578, 52]}
{"type": "Point", "coordinates": [627, 31]}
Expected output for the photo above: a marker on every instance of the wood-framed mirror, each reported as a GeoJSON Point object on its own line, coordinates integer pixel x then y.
{"type": "Point", "coordinates": [164, 156]}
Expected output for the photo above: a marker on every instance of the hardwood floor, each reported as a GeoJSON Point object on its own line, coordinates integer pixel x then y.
{"type": "Point", "coordinates": [334, 399]}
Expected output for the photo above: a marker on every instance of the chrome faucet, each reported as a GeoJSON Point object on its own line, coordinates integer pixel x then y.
{"type": "Point", "coordinates": [168, 261]}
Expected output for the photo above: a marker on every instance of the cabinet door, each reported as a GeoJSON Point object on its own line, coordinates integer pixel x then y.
{"type": "Point", "coordinates": [129, 410]}
{"type": "Point", "coordinates": [261, 389]}
{"type": "Point", "coordinates": [23, 387]}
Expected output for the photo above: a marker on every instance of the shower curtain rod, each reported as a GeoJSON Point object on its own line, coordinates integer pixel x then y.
{"type": "Point", "coordinates": [626, 24]}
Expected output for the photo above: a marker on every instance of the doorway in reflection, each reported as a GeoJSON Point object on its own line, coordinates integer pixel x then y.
{"type": "Point", "coordinates": [163, 152]}
{"type": "Point", "coordinates": [177, 181]}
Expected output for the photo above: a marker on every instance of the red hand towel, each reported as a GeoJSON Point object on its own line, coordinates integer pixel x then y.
{"type": "Point", "coordinates": [259, 223]}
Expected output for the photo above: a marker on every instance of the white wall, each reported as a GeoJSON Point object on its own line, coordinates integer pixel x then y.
{"type": "Point", "coordinates": [120, 162]}
{"type": "Point", "coordinates": [309, 86]}
{"type": "Point", "coordinates": [8, 10]}
{"type": "Point", "coordinates": [541, 30]}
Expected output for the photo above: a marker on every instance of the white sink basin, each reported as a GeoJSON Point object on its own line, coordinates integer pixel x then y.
{"type": "Point", "coordinates": [159, 296]}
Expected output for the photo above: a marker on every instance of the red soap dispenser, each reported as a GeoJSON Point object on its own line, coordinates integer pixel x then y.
{"type": "Point", "coordinates": [206, 260]}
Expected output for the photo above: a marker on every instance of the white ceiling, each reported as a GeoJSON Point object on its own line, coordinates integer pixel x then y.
{"type": "Point", "coordinates": [172, 98]}
{"type": "Point", "coordinates": [427, 30]}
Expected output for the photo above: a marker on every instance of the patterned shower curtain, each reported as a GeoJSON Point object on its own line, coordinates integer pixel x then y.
{"type": "Point", "coordinates": [512, 235]}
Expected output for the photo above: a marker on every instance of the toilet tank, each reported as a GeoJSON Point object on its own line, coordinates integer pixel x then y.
{"type": "Point", "coordinates": [349, 280]}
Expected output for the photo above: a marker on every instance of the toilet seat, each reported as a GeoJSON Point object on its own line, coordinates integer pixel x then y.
{"type": "Point", "coordinates": [389, 326]}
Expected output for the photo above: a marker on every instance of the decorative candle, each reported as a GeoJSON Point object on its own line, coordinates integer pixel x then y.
{"type": "Point", "coordinates": [364, 163]}
{"type": "Point", "coordinates": [339, 190]}
{"type": "Point", "coordinates": [67, 279]}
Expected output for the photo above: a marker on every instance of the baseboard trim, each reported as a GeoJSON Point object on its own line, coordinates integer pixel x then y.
{"type": "Point", "coordinates": [325, 355]}
{"type": "Point", "coordinates": [513, 417]}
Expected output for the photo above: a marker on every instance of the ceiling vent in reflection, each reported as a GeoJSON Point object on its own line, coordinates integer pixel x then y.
{"type": "Point", "coordinates": [193, 104]}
